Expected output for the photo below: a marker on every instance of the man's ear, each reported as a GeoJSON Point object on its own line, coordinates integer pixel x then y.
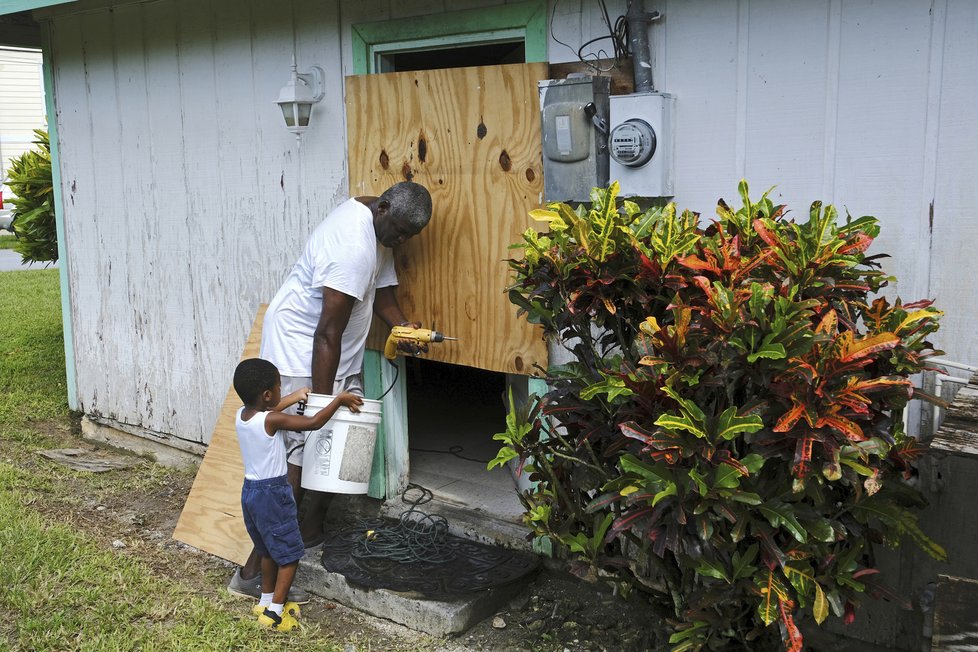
{"type": "Point", "coordinates": [383, 206]}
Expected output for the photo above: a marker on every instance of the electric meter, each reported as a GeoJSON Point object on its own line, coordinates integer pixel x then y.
{"type": "Point", "coordinates": [641, 144]}
{"type": "Point", "coordinates": [633, 143]}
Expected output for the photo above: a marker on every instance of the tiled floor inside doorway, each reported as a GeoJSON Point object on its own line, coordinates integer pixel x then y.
{"type": "Point", "coordinates": [453, 412]}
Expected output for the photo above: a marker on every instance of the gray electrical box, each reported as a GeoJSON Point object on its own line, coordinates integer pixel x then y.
{"type": "Point", "coordinates": [574, 115]}
{"type": "Point", "coordinates": [641, 144]}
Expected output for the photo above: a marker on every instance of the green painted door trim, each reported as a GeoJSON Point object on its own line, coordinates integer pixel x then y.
{"type": "Point", "coordinates": [371, 389]}
{"type": "Point", "coordinates": [13, 6]}
{"type": "Point", "coordinates": [388, 472]}
{"type": "Point", "coordinates": [530, 17]}
{"type": "Point", "coordinates": [47, 67]}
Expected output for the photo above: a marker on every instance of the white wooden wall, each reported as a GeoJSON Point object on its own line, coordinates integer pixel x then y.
{"type": "Point", "coordinates": [865, 104]}
{"type": "Point", "coordinates": [186, 200]}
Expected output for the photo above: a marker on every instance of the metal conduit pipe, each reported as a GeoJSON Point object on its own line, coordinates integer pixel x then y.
{"type": "Point", "coordinates": [638, 41]}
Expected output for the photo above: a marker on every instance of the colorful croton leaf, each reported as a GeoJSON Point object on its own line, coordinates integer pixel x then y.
{"type": "Point", "coordinates": [726, 436]}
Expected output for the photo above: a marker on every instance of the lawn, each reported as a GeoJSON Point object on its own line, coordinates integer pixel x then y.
{"type": "Point", "coordinates": [7, 240]}
{"type": "Point", "coordinates": [90, 564]}
{"type": "Point", "coordinates": [64, 586]}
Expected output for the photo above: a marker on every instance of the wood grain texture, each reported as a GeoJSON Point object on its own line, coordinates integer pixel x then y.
{"type": "Point", "coordinates": [958, 434]}
{"type": "Point", "coordinates": [425, 126]}
{"type": "Point", "coordinates": [955, 615]}
{"type": "Point", "coordinates": [211, 518]}
{"type": "Point", "coordinates": [622, 75]}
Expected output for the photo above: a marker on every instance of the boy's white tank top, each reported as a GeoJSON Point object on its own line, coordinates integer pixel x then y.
{"type": "Point", "coordinates": [263, 455]}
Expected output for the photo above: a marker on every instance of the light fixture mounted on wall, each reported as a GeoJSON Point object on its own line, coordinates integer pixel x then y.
{"type": "Point", "coordinates": [297, 97]}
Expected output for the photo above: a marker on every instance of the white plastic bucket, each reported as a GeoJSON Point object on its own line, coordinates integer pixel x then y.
{"type": "Point", "coordinates": [337, 457]}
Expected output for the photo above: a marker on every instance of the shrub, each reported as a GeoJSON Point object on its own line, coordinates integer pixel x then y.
{"type": "Point", "coordinates": [727, 436]}
{"type": "Point", "coordinates": [34, 222]}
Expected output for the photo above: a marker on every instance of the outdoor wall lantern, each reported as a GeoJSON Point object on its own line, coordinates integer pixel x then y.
{"type": "Point", "coordinates": [297, 97]}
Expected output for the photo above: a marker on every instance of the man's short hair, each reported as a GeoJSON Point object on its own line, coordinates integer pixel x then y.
{"type": "Point", "coordinates": [252, 377]}
{"type": "Point", "coordinates": [410, 204]}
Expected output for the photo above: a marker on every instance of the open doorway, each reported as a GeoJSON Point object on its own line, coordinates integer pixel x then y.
{"type": "Point", "coordinates": [483, 54]}
{"type": "Point", "coordinates": [453, 410]}
{"type": "Point", "coordinates": [496, 55]}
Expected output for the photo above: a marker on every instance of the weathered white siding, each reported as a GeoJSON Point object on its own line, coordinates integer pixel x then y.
{"type": "Point", "coordinates": [21, 103]}
{"type": "Point", "coordinates": [186, 199]}
{"type": "Point", "coordinates": [865, 104]}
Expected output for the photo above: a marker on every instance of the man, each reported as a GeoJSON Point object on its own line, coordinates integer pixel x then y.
{"type": "Point", "coordinates": [315, 328]}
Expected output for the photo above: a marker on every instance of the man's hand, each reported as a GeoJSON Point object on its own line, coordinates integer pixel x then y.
{"type": "Point", "coordinates": [411, 347]}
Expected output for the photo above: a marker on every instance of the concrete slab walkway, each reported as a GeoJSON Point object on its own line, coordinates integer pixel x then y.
{"type": "Point", "coordinates": [10, 262]}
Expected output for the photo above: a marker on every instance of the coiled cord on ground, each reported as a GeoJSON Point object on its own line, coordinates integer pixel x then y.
{"type": "Point", "coordinates": [415, 537]}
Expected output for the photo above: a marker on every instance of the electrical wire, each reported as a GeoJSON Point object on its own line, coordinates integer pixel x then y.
{"type": "Point", "coordinates": [618, 34]}
{"type": "Point", "coordinates": [416, 537]}
{"type": "Point", "coordinates": [397, 370]}
{"type": "Point", "coordinates": [452, 450]}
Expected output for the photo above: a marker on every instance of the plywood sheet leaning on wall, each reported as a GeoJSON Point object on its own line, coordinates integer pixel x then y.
{"type": "Point", "coordinates": [472, 137]}
{"type": "Point", "coordinates": [211, 518]}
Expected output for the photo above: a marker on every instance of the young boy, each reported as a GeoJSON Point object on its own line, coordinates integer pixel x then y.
{"type": "Point", "coordinates": [266, 498]}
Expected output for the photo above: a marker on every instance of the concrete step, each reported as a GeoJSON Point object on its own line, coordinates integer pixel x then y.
{"type": "Point", "coordinates": [432, 616]}
{"type": "Point", "coordinates": [437, 617]}
{"type": "Point", "coordinates": [463, 521]}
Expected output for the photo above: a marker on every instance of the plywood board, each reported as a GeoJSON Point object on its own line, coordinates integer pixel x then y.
{"type": "Point", "coordinates": [211, 519]}
{"type": "Point", "coordinates": [472, 137]}
{"type": "Point", "coordinates": [955, 615]}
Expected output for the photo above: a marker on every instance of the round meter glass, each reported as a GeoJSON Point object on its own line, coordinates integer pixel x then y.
{"type": "Point", "coordinates": [633, 143]}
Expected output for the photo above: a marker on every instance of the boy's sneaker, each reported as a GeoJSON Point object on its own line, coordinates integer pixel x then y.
{"type": "Point", "coordinates": [290, 608]}
{"type": "Point", "coordinates": [252, 589]}
{"type": "Point", "coordinates": [284, 623]}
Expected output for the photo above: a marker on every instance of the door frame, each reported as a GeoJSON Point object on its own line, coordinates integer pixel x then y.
{"type": "Point", "coordinates": [528, 20]}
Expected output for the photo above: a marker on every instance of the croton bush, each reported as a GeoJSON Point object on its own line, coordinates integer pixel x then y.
{"type": "Point", "coordinates": [727, 437]}
{"type": "Point", "coordinates": [34, 221]}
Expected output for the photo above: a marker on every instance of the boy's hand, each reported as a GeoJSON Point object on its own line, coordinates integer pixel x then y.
{"type": "Point", "coordinates": [350, 401]}
{"type": "Point", "coordinates": [302, 394]}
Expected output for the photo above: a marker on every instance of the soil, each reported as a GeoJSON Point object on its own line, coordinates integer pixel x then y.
{"type": "Point", "coordinates": [555, 611]}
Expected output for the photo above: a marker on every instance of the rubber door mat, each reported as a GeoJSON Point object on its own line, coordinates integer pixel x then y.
{"type": "Point", "coordinates": [460, 567]}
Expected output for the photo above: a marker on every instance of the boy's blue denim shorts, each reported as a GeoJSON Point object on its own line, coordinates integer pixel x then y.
{"type": "Point", "coordinates": [271, 519]}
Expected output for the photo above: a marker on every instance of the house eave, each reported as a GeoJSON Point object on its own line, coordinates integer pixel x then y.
{"type": "Point", "coordinates": [15, 6]}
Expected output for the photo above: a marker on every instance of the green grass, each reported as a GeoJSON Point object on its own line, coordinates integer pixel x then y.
{"type": "Point", "coordinates": [32, 359]}
{"type": "Point", "coordinates": [65, 592]}
{"type": "Point", "coordinates": [63, 589]}
{"type": "Point", "coordinates": [7, 240]}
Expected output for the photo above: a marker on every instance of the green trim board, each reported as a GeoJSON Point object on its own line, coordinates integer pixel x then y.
{"type": "Point", "coordinates": [372, 387]}
{"type": "Point", "coordinates": [13, 6]}
{"type": "Point", "coordinates": [47, 67]}
{"type": "Point", "coordinates": [526, 19]}
{"type": "Point", "coordinates": [378, 375]}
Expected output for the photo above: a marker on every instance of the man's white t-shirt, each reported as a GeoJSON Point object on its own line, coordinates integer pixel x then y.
{"type": "Point", "coordinates": [342, 254]}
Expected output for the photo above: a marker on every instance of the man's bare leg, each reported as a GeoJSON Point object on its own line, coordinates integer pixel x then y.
{"type": "Point", "coordinates": [313, 514]}
{"type": "Point", "coordinates": [251, 566]}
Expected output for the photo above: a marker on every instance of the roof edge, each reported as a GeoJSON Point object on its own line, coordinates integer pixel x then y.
{"type": "Point", "coordinates": [14, 6]}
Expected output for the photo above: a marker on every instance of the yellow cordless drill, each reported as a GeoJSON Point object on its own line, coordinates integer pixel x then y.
{"type": "Point", "coordinates": [420, 336]}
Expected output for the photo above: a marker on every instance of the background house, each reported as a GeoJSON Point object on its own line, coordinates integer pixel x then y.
{"type": "Point", "coordinates": [21, 104]}
{"type": "Point", "coordinates": [183, 200]}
